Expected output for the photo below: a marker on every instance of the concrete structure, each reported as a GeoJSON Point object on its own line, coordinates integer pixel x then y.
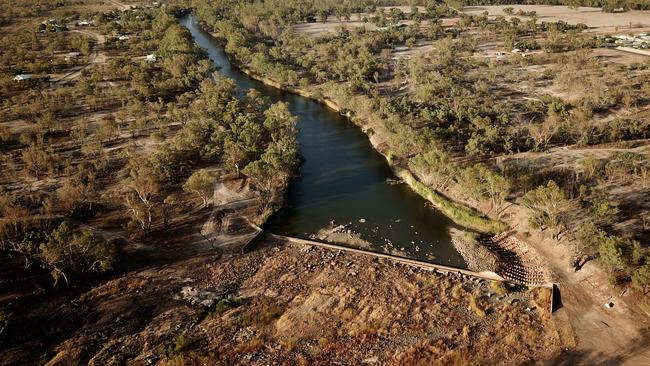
{"type": "Point", "coordinates": [407, 261]}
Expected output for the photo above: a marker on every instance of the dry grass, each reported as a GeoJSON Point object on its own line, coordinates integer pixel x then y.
{"type": "Point", "coordinates": [594, 18]}
{"type": "Point", "coordinates": [499, 288]}
{"type": "Point", "coordinates": [336, 315]}
{"type": "Point", "coordinates": [289, 303]}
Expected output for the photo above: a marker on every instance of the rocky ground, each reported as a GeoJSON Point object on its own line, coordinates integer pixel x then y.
{"type": "Point", "coordinates": [342, 234]}
{"type": "Point", "coordinates": [477, 256]}
{"type": "Point", "coordinates": [287, 304]}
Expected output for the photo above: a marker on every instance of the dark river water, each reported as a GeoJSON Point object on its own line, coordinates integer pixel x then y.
{"type": "Point", "coordinates": [343, 179]}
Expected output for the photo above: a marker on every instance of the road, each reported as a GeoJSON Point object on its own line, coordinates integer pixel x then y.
{"type": "Point", "coordinates": [634, 50]}
{"type": "Point", "coordinates": [97, 57]}
{"type": "Point", "coordinates": [604, 336]}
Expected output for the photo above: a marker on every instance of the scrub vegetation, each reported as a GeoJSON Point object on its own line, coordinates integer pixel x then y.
{"type": "Point", "coordinates": [131, 171]}
{"type": "Point", "coordinates": [130, 127]}
{"type": "Point", "coordinates": [516, 117]}
{"type": "Point", "coordinates": [119, 126]}
{"type": "Point", "coordinates": [477, 128]}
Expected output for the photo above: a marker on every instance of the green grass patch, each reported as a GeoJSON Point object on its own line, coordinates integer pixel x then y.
{"type": "Point", "coordinates": [460, 214]}
{"type": "Point", "coordinates": [224, 305]}
{"type": "Point", "coordinates": [180, 345]}
{"type": "Point", "coordinates": [499, 288]}
{"type": "Point", "coordinates": [269, 314]}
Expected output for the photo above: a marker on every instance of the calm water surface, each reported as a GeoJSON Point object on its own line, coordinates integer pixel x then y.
{"type": "Point", "coordinates": [343, 179]}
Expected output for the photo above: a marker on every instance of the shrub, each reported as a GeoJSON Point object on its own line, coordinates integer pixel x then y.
{"type": "Point", "coordinates": [224, 305]}
{"type": "Point", "coordinates": [5, 320]}
{"type": "Point", "coordinates": [615, 256]}
{"type": "Point", "coordinates": [66, 252]}
{"type": "Point", "coordinates": [499, 288]}
{"type": "Point", "coordinates": [641, 278]}
{"type": "Point", "coordinates": [181, 343]}
{"type": "Point", "coordinates": [457, 292]}
{"type": "Point", "coordinates": [5, 135]}
{"type": "Point", "coordinates": [476, 306]}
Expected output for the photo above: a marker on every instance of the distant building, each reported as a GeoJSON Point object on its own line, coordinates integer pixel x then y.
{"type": "Point", "coordinates": [71, 56]}
{"type": "Point", "coordinates": [151, 58]}
{"type": "Point", "coordinates": [123, 37]}
{"type": "Point", "coordinates": [398, 26]}
{"type": "Point", "coordinates": [83, 23]}
{"type": "Point", "coordinates": [641, 41]}
{"type": "Point", "coordinates": [22, 77]}
{"type": "Point", "coordinates": [624, 38]}
{"type": "Point", "coordinates": [49, 25]}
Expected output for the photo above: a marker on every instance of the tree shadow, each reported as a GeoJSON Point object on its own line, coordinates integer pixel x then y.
{"type": "Point", "coordinates": [557, 299]}
{"type": "Point", "coordinates": [123, 303]}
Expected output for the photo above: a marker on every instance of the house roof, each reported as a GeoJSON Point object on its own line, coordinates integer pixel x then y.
{"type": "Point", "coordinates": [22, 77]}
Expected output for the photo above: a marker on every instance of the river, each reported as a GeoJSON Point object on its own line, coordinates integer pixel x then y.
{"type": "Point", "coordinates": [344, 180]}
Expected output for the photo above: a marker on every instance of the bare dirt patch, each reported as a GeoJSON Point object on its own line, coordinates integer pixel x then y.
{"type": "Point", "coordinates": [619, 56]}
{"type": "Point", "coordinates": [594, 18]}
{"type": "Point", "coordinates": [282, 303]}
{"type": "Point", "coordinates": [317, 29]}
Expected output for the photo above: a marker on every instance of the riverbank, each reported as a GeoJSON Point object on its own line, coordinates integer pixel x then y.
{"type": "Point", "coordinates": [477, 257]}
{"type": "Point", "coordinates": [582, 304]}
{"type": "Point", "coordinates": [585, 308]}
{"type": "Point", "coordinates": [343, 178]}
{"type": "Point", "coordinates": [459, 213]}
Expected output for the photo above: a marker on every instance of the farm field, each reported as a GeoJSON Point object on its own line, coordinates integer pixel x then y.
{"type": "Point", "coordinates": [597, 20]}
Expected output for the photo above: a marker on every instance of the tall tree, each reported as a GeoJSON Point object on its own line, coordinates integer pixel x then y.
{"type": "Point", "coordinates": [548, 202]}
{"type": "Point", "coordinates": [479, 182]}
{"type": "Point", "coordinates": [200, 183]}
{"type": "Point", "coordinates": [67, 252]}
{"type": "Point", "coordinates": [144, 182]}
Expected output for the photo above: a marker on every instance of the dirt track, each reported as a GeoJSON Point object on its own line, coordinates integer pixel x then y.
{"type": "Point", "coordinates": [97, 57]}
{"type": "Point", "coordinates": [120, 5]}
{"type": "Point", "coordinates": [604, 336]}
